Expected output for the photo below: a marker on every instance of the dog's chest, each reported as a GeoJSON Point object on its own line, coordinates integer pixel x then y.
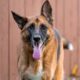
{"type": "Point", "coordinates": [35, 76]}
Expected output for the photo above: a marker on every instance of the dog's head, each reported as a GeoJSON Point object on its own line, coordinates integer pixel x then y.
{"type": "Point", "coordinates": [37, 31]}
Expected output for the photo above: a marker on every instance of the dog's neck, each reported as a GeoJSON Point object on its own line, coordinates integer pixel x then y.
{"type": "Point", "coordinates": [35, 69]}
{"type": "Point", "coordinates": [36, 65]}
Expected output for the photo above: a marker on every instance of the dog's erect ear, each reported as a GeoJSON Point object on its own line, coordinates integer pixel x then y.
{"type": "Point", "coordinates": [46, 11]}
{"type": "Point", "coordinates": [21, 21]}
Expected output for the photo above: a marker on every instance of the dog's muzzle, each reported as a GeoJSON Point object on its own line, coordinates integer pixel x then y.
{"type": "Point", "coordinates": [36, 40]}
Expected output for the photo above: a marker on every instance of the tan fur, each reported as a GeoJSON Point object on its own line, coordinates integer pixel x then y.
{"type": "Point", "coordinates": [48, 61]}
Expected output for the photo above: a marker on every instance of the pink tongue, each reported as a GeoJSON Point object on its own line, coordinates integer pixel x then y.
{"type": "Point", "coordinates": [36, 52]}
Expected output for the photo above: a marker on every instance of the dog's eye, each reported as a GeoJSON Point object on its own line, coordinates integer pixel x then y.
{"type": "Point", "coordinates": [43, 27]}
{"type": "Point", "coordinates": [31, 27]}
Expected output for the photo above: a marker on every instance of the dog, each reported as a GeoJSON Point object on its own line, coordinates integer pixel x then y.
{"type": "Point", "coordinates": [41, 52]}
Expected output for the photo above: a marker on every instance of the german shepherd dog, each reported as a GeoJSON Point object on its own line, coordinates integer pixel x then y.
{"type": "Point", "coordinates": [41, 52]}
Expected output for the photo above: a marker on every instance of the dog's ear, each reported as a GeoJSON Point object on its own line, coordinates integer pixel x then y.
{"type": "Point", "coordinates": [46, 11]}
{"type": "Point", "coordinates": [21, 21]}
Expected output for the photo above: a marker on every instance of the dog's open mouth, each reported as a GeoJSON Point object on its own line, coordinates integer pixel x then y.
{"type": "Point", "coordinates": [37, 51]}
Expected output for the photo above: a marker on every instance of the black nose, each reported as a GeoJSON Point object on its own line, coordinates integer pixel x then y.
{"type": "Point", "coordinates": [37, 39]}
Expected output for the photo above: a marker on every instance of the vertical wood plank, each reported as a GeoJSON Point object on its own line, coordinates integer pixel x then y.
{"type": "Point", "coordinates": [74, 26]}
{"type": "Point", "coordinates": [60, 15]}
{"type": "Point", "coordinates": [37, 4]}
{"type": "Point", "coordinates": [33, 8]}
{"type": "Point", "coordinates": [18, 7]}
{"type": "Point", "coordinates": [68, 34]}
{"type": "Point", "coordinates": [71, 29]}
{"type": "Point", "coordinates": [28, 8]}
{"type": "Point", "coordinates": [78, 1]}
{"type": "Point", "coordinates": [4, 40]}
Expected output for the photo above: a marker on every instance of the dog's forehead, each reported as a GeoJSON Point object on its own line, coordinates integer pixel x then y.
{"type": "Point", "coordinates": [38, 20]}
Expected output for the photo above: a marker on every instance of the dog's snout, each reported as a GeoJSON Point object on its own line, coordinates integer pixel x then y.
{"type": "Point", "coordinates": [37, 39]}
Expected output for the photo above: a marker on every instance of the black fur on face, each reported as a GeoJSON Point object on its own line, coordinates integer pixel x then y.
{"type": "Point", "coordinates": [36, 35]}
{"type": "Point", "coordinates": [43, 31]}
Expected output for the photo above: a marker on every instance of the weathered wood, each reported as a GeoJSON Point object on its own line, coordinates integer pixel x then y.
{"type": "Point", "coordinates": [18, 7]}
{"type": "Point", "coordinates": [66, 15]}
{"type": "Point", "coordinates": [4, 27]}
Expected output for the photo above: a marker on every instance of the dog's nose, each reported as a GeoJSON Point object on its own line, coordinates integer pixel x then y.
{"type": "Point", "coordinates": [37, 38]}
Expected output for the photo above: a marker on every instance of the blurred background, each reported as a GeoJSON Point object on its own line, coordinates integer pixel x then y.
{"type": "Point", "coordinates": [66, 14]}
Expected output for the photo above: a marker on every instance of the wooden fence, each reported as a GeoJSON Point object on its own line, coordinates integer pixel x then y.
{"type": "Point", "coordinates": [66, 18]}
